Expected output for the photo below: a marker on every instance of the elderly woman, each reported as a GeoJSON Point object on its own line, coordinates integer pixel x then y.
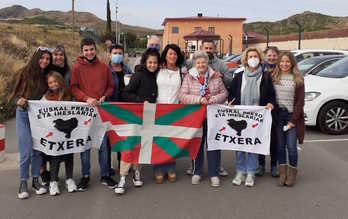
{"type": "Point", "coordinates": [203, 86]}
{"type": "Point", "coordinates": [253, 86]}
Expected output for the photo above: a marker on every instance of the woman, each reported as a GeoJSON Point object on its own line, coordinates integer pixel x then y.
{"type": "Point", "coordinates": [204, 86]}
{"type": "Point", "coordinates": [271, 60]}
{"type": "Point", "coordinates": [60, 62]}
{"type": "Point", "coordinates": [30, 84]}
{"type": "Point", "coordinates": [142, 88]}
{"type": "Point", "coordinates": [253, 86]}
{"type": "Point", "coordinates": [289, 87]}
{"type": "Point", "coordinates": [168, 81]}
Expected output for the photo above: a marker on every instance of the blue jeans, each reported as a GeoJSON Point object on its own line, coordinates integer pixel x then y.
{"type": "Point", "coordinates": [164, 168]}
{"type": "Point", "coordinates": [103, 159]}
{"type": "Point", "coordinates": [25, 147]}
{"type": "Point", "coordinates": [286, 140]}
{"type": "Point", "coordinates": [214, 158]}
{"type": "Point", "coordinates": [246, 162]}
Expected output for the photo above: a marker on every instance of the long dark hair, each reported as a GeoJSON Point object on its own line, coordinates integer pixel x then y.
{"type": "Point", "coordinates": [180, 58]}
{"type": "Point", "coordinates": [149, 52]}
{"type": "Point", "coordinates": [31, 76]}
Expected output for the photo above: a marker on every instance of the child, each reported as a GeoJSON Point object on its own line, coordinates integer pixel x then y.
{"type": "Point", "coordinates": [58, 91]}
{"type": "Point", "coordinates": [29, 85]}
{"type": "Point", "coordinates": [289, 86]}
{"type": "Point", "coordinates": [141, 88]}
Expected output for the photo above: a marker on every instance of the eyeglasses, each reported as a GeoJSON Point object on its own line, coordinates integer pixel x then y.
{"type": "Point", "coordinates": [43, 49]}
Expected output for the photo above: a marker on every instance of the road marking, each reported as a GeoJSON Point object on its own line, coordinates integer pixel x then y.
{"type": "Point", "coordinates": [326, 140]}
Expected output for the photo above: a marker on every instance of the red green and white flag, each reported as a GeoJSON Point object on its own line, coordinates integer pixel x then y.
{"type": "Point", "coordinates": [153, 133]}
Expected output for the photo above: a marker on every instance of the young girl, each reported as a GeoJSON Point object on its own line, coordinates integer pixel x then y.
{"type": "Point", "coordinates": [289, 88]}
{"type": "Point", "coordinates": [29, 85]}
{"type": "Point", "coordinates": [141, 88]}
{"type": "Point", "coordinates": [58, 91]}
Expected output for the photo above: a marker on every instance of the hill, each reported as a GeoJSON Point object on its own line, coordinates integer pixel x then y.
{"type": "Point", "coordinates": [310, 21]}
{"type": "Point", "coordinates": [20, 14]}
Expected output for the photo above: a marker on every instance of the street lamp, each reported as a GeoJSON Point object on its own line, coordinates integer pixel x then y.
{"type": "Point", "coordinates": [299, 33]}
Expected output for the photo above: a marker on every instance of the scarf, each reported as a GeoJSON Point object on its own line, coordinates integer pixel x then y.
{"type": "Point", "coordinates": [203, 89]}
{"type": "Point", "coordinates": [250, 94]}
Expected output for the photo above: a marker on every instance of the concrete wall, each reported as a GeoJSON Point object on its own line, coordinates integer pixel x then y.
{"type": "Point", "coordinates": [222, 28]}
{"type": "Point", "coordinates": [325, 43]}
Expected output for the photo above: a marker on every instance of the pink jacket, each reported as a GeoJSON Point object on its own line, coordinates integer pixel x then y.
{"type": "Point", "coordinates": [189, 91]}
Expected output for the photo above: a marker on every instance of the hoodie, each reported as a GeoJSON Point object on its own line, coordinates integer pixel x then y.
{"type": "Point", "coordinates": [90, 80]}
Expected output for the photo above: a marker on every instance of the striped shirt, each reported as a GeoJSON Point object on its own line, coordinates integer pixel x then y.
{"type": "Point", "coordinates": [285, 92]}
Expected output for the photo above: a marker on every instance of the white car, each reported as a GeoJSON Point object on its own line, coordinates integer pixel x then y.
{"type": "Point", "coordinates": [309, 53]}
{"type": "Point", "coordinates": [326, 98]}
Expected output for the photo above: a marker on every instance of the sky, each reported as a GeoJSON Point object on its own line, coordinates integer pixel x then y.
{"type": "Point", "coordinates": [151, 13]}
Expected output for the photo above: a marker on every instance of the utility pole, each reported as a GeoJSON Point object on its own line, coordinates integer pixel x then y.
{"type": "Point", "coordinates": [267, 32]}
{"type": "Point", "coordinates": [73, 18]}
{"type": "Point", "coordinates": [116, 26]}
{"type": "Point", "coordinates": [299, 33]}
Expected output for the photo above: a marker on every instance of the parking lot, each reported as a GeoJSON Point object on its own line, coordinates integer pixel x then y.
{"type": "Point", "coordinates": [321, 190]}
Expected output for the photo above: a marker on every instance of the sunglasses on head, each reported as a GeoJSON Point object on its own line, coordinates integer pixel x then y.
{"type": "Point", "coordinates": [43, 49]}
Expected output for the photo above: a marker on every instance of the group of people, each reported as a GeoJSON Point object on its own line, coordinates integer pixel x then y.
{"type": "Point", "coordinates": [166, 77]}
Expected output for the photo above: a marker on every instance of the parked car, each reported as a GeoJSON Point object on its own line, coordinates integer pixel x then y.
{"type": "Point", "coordinates": [309, 53]}
{"type": "Point", "coordinates": [229, 58]}
{"type": "Point", "coordinates": [316, 64]}
{"type": "Point", "coordinates": [235, 62]}
{"type": "Point", "coordinates": [326, 98]}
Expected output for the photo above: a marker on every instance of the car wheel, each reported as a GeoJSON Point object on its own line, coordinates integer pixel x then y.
{"type": "Point", "coordinates": [333, 118]}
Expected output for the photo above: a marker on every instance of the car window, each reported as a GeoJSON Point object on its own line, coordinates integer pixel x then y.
{"type": "Point", "coordinates": [306, 64]}
{"type": "Point", "coordinates": [322, 66]}
{"type": "Point", "coordinates": [332, 53]}
{"type": "Point", "coordinates": [337, 70]}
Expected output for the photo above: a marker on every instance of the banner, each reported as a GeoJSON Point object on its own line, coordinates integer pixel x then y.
{"type": "Point", "coordinates": [153, 133]}
{"type": "Point", "coordinates": [239, 128]}
{"type": "Point", "coordinates": [59, 127]}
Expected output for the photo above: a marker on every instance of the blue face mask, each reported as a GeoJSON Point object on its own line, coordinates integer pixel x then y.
{"type": "Point", "coordinates": [116, 59]}
{"type": "Point", "coordinates": [267, 65]}
{"type": "Point", "coordinates": [157, 47]}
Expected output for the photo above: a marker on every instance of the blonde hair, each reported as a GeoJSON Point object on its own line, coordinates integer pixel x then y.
{"type": "Point", "coordinates": [64, 91]}
{"type": "Point", "coordinates": [245, 55]}
{"type": "Point", "coordinates": [298, 78]}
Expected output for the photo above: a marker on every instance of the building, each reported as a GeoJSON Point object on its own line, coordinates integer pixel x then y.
{"type": "Point", "coordinates": [188, 32]}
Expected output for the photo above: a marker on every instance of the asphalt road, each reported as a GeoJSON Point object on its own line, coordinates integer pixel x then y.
{"type": "Point", "coordinates": [321, 190]}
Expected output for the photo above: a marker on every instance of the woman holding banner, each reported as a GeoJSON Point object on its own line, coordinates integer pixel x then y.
{"type": "Point", "coordinates": [289, 85]}
{"type": "Point", "coordinates": [253, 86]}
{"type": "Point", "coordinates": [202, 85]}
{"type": "Point", "coordinates": [168, 80]}
{"type": "Point", "coordinates": [30, 84]}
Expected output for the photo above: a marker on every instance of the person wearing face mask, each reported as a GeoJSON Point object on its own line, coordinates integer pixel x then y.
{"type": "Point", "coordinates": [217, 65]}
{"type": "Point", "coordinates": [153, 42]}
{"type": "Point", "coordinates": [253, 86]}
{"type": "Point", "coordinates": [271, 59]}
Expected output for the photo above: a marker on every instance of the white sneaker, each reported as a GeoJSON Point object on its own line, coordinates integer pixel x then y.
{"type": "Point", "coordinates": [215, 181]}
{"type": "Point", "coordinates": [23, 190]}
{"type": "Point", "coordinates": [121, 186]}
{"type": "Point", "coordinates": [70, 185]}
{"type": "Point", "coordinates": [195, 179]}
{"type": "Point", "coordinates": [238, 179]}
{"type": "Point", "coordinates": [222, 172]}
{"type": "Point", "coordinates": [137, 179]}
{"type": "Point", "coordinates": [249, 180]}
{"type": "Point", "coordinates": [54, 189]}
{"type": "Point", "coordinates": [189, 171]}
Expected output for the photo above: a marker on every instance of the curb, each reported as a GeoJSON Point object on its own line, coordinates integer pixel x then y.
{"type": "Point", "coordinates": [2, 143]}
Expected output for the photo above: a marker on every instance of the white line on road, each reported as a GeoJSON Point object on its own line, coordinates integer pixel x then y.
{"type": "Point", "coordinates": [326, 140]}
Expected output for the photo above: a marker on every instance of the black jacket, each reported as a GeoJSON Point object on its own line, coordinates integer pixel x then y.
{"type": "Point", "coordinates": [267, 92]}
{"type": "Point", "coordinates": [142, 87]}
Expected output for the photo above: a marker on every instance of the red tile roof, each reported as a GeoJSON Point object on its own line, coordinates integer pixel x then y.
{"type": "Point", "coordinates": [201, 34]}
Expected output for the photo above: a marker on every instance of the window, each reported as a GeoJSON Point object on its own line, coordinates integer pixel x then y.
{"type": "Point", "coordinates": [175, 29]}
{"type": "Point", "coordinates": [338, 69]}
{"type": "Point", "coordinates": [211, 29]}
{"type": "Point", "coordinates": [198, 28]}
{"type": "Point", "coordinates": [322, 66]}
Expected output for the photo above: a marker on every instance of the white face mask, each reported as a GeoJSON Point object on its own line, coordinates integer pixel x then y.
{"type": "Point", "coordinates": [253, 62]}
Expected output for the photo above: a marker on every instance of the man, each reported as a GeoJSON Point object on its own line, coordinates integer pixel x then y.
{"type": "Point", "coordinates": [152, 42]}
{"type": "Point", "coordinates": [91, 82]}
{"type": "Point", "coordinates": [215, 63]}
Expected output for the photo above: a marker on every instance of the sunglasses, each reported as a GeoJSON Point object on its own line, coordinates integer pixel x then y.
{"type": "Point", "coordinates": [43, 49]}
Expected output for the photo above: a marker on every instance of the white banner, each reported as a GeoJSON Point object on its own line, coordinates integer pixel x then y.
{"type": "Point", "coordinates": [239, 128]}
{"type": "Point", "coordinates": [59, 127]}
